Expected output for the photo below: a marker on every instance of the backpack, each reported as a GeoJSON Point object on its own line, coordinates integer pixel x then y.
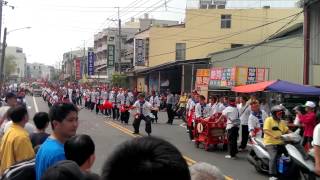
{"type": "Point", "coordinates": [20, 171]}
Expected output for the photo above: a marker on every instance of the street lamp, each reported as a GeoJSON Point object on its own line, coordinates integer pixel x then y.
{"type": "Point", "coordinates": [3, 52]}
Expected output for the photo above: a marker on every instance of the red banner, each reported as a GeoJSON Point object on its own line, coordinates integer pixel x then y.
{"type": "Point", "coordinates": [77, 69]}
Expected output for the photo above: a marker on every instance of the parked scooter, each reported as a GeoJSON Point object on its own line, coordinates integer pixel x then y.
{"type": "Point", "coordinates": [304, 161]}
{"type": "Point", "coordinates": [259, 156]}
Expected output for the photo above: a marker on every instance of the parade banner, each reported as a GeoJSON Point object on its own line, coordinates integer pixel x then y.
{"type": "Point", "coordinates": [77, 69]}
{"type": "Point", "coordinates": [111, 55]}
{"type": "Point", "coordinates": [139, 52]}
{"type": "Point", "coordinates": [91, 63]}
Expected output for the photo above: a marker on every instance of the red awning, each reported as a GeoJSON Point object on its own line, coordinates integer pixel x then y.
{"type": "Point", "coordinates": [253, 87]}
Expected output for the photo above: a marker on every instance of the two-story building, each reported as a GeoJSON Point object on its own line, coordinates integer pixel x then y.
{"type": "Point", "coordinates": [166, 53]}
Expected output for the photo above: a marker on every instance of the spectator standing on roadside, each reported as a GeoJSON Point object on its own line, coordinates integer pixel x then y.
{"type": "Point", "coordinates": [81, 149]}
{"type": "Point", "coordinates": [205, 171]}
{"type": "Point", "coordinates": [244, 110]}
{"type": "Point", "coordinates": [15, 145]}
{"type": "Point", "coordinates": [170, 104]}
{"type": "Point", "coordinates": [64, 123]}
{"type": "Point", "coordinates": [146, 158]}
{"type": "Point", "coordinates": [41, 121]}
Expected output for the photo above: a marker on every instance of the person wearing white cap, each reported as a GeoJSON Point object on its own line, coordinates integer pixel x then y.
{"type": "Point", "coordinates": [309, 122]}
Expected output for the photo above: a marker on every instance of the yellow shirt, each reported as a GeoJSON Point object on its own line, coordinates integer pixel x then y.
{"type": "Point", "coordinates": [268, 125]}
{"type": "Point", "coordinates": [183, 101]}
{"type": "Point", "coordinates": [15, 147]}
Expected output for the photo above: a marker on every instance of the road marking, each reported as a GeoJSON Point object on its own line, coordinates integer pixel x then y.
{"type": "Point", "coordinates": [35, 104]}
{"type": "Point", "coordinates": [129, 132]}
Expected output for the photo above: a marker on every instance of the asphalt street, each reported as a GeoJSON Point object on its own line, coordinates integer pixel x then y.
{"type": "Point", "coordinates": [107, 134]}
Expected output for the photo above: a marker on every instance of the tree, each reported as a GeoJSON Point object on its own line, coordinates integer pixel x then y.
{"type": "Point", "coordinates": [119, 80]}
{"type": "Point", "coordinates": [9, 65]}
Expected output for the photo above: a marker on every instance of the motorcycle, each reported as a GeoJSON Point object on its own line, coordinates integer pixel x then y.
{"type": "Point", "coordinates": [304, 161]}
{"type": "Point", "coordinates": [259, 156]}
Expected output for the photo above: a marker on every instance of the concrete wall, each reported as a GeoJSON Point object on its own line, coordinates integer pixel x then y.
{"type": "Point", "coordinates": [283, 57]}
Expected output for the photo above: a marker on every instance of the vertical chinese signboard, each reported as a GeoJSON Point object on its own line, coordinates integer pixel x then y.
{"type": "Point", "coordinates": [111, 55]}
{"type": "Point", "coordinates": [251, 75]}
{"type": "Point", "coordinates": [77, 69]}
{"type": "Point", "coordinates": [91, 63]}
{"type": "Point", "coordinates": [139, 52]}
{"type": "Point", "coordinates": [202, 81]}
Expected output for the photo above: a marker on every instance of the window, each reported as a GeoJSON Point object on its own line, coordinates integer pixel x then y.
{"type": "Point", "coordinates": [236, 45]}
{"type": "Point", "coordinates": [225, 21]}
{"type": "Point", "coordinates": [180, 51]}
{"type": "Point", "coordinates": [111, 38]}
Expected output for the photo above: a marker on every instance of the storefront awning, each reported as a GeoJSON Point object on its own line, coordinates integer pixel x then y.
{"type": "Point", "coordinates": [280, 87]}
{"type": "Point", "coordinates": [172, 64]}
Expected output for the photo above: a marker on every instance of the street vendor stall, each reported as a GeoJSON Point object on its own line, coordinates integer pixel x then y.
{"type": "Point", "coordinates": [282, 92]}
{"type": "Point", "coordinates": [280, 87]}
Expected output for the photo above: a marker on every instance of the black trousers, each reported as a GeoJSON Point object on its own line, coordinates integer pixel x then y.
{"type": "Point", "coordinates": [190, 128]}
{"type": "Point", "coordinates": [136, 123]}
{"type": "Point", "coordinates": [170, 113]}
{"type": "Point", "coordinates": [97, 108]}
{"type": "Point", "coordinates": [125, 117]}
{"type": "Point", "coordinates": [233, 134]}
{"type": "Point", "coordinates": [244, 136]}
{"type": "Point", "coordinates": [92, 104]}
{"type": "Point", "coordinates": [115, 113]}
{"type": "Point", "coordinates": [155, 113]}
{"type": "Point", "coordinates": [306, 140]}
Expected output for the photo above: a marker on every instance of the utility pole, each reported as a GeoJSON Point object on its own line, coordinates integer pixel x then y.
{"type": "Point", "coordinates": [1, 5]}
{"type": "Point", "coordinates": [120, 39]}
{"type": "Point", "coordinates": [3, 53]}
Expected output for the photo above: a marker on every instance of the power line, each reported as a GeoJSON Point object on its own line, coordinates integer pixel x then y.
{"type": "Point", "coordinates": [243, 31]}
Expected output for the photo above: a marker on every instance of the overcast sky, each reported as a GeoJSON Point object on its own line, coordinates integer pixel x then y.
{"type": "Point", "coordinates": [59, 26]}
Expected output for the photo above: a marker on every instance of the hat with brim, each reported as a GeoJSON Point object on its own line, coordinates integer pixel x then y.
{"type": "Point", "coordinates": [310, 104]}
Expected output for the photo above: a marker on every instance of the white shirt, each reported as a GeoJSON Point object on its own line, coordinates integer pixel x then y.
{"type": "Point", "coordinates": [316, 136]}
{"type": "Point", "coordinates": [253, 122]}
{"type": "Point", "coordinates": [202, 111]}
{"type": "Point", "coordinates": [220, 107]}
{"type": "Point", "coordinates": [124, 99]}
{"type": "Point", "coordinates": [232, 115]}
{"type": "Point", "coordinates": [154, 101]}
{"type": "Point", "coordinates": [146, 108]}
{"type": "Point", "coordinates": [245, 111]}
{"type": "Point", "coordinates": [214, 108]}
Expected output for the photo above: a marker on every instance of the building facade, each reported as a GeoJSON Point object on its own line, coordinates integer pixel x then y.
{"type": "Point", "coordinates": [19, 59]}
{"type": "Point", "coordinates": [106, 45]}
{"type": "Point", "coordinates": [69, 66]}
{"type": "Point", "coordinates": [36, 71]}
{"type": "Point", "coordinates": [206, 31]}
{"type": "Point", "coordinates": [312, 42]}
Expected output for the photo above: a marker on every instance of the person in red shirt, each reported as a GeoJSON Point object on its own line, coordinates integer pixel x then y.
{"type": "Point", "coordinates": [309, 122]}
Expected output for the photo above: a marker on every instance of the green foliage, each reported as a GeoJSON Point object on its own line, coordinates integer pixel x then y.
{"type": "Point", "coordinates": [9, 65]}
{"type": "Point", "coordinates": [120, 80]}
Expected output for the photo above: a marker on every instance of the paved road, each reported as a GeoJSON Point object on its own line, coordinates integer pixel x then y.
{"type": "Point", "coordinates": [107, 134]}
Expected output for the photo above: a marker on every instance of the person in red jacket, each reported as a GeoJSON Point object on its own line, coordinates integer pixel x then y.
{"type": "Point", "coordinates": [309, 122]}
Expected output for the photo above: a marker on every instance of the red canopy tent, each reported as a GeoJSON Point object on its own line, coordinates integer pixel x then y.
{"type": "Point", "coordinates": [280, 87]}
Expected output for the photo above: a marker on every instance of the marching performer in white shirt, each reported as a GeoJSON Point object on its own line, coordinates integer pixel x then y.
{"type": "Point", "coordinates": [155, 102]}
{"type": "Point", "coordinates": [143, 109]}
